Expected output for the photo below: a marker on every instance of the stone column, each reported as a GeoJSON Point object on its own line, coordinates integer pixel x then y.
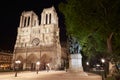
{"type": "Point", "coordinates": [52, 18]}
{"type": "Point", "coordinates": [37, 22]}
{"type": "Point", "coordinates": [42, 21]}
{"type": "Point", "coordinates": [21, 21]}
{"type": "Point", "coordinates": [43, 18]}
{"type": "Point", "coordinates": [30, 21]}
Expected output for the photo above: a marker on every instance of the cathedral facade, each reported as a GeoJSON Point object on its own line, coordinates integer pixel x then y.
{"type": "Point", "coordinates": [38, 42]}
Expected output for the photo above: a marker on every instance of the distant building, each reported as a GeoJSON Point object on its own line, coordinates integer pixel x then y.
{"type": "Point", "coordinates": [5, 60]}
{"type": "Point", "coordinates": [38, 42]}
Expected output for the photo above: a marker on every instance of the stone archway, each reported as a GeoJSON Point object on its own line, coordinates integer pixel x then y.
{"type": "Point", "coordinates": [44, 60]}
{"type": "Point", "coordinates": [31, 61]}
{"type": "Point", "coordinates": [20, 58]}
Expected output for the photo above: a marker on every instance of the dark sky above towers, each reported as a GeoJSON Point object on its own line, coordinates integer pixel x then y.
{"type": "Point", "coordinates": [10, 11]}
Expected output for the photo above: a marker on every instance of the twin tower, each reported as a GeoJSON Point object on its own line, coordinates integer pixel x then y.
{"type": "Point", "coordinates": [38, 42]}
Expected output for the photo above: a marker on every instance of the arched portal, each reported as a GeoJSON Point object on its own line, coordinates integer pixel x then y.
{"type": "Point", "coordinates": [44, 60]}
{"type": "Point", "coordinates": [31, 62]}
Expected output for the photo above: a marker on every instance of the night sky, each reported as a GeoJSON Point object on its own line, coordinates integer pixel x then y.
{"type": "Point", "coordinates": [10, 18]}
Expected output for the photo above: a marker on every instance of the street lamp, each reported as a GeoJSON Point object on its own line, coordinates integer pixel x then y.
{"type": "Point", "coordinates": [17, 62]}
{"type": "Point", "coordinates": [103, 63]}
{"type": "Point", "coordinates": [37, 64]}
{"type": "Point", "coordinates": [87, 63]}
{"type": "Point", "coordinates": [103, 60]}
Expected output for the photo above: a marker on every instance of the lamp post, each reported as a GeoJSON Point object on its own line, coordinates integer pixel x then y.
{"type": "Point", "coordinates": [37, 66]}
{"type": "Point", "coordinates": [87, 63]}
{"type": "Point", "coordinates": [103, 63]}
{"type": "Point", "coordinates": [17, 62]}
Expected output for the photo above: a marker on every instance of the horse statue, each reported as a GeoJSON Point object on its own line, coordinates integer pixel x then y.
{"type": "Point", "coordinates": [74, 46]}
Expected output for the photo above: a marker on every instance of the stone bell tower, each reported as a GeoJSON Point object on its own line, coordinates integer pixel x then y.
{"type": "Point", "coordinates": [38, 42]}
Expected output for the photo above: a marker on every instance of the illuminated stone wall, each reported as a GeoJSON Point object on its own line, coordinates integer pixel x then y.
{"type": "Point", "coordinates": [38, 41]}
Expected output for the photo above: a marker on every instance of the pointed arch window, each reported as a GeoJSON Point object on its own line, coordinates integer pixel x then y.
{"type": "Point", "coordinates": [25, 21]}
{"type": "Point", "coordinates": [46, 18]}
{"type": "Point", "coordinates": [28, 21]}
{"type": "Point", "coordinates": [49, 18]}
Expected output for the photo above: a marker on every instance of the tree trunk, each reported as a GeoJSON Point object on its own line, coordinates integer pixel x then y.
{"type": "Point", "coordinates": [109, 43]}
{"type": "Point", "coordinates": [109, 46]}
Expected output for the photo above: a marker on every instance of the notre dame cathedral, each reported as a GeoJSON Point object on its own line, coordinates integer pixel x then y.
{"type": "Point", "coordinates": [38, 42]}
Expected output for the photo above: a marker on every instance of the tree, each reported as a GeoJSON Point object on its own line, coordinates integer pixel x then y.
{"type": "Point", "coordinates": [96, 26]}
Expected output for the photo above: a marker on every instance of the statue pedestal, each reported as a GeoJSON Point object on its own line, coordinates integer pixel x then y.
{"type": "Point", "coordinates": [75, 64]}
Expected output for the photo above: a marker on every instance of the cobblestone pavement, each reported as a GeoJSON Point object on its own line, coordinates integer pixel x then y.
{"type": "Point", "coordinates": [51, 75]}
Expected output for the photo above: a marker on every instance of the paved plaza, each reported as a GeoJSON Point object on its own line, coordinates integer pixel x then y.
{"type": "Point", "coordinates": [44, 75]}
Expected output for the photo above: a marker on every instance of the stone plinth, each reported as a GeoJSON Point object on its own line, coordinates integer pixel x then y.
{"type": "Point", "coordinates": [75, 64]}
